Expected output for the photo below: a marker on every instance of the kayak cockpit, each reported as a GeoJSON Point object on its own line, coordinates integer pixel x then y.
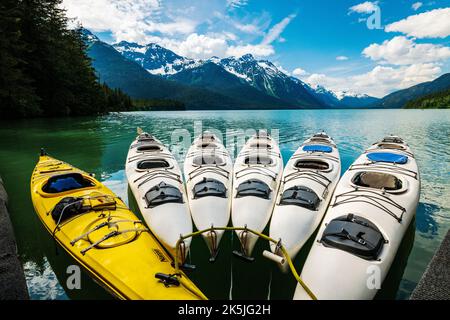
{"type": "Point", "coordinates": [378, 180]}
{"type": "Point", "coordinates": [208, 159]}
{"type": "Point", "coordinates": [312, 164]}
{"type": "Point", "coordinates": [152, 164]}
{"type": "Point", "coordinates": [66, 182]}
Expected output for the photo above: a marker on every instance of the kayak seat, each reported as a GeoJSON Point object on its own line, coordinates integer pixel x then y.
{"type": "Point", "coordinates": [317, 148]}
{"type": "Point", "coordinates": [355, 235]}
{"type": "Point", "coordinates": [258, 159]}
{"type": "Point", "coordinates": [152, 164]}
{"type": "Point", "coordinates": [300, 196]}
{"type": "Point", "coordinates": [163, 193]}
{"type": "Point", "coordinates": [312, 164]}
{"type": "Point", "coordinates": [387, 157]}
{"type": "Point", "coordinates": [377, 180]}
{"type": "Point", "coordinates": [253, 187]}
{"type": "Point", "coordinates": [66, 182]}
{"type": "Point", "coordinates": [209, 188]}
{"type": "Point", "coordinates": [208, 159]}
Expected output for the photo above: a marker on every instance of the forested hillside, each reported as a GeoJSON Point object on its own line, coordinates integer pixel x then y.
{"type": "Point", "coordinates": [44, 68]}
{"type": "Point", "coordinates": [439, 100]}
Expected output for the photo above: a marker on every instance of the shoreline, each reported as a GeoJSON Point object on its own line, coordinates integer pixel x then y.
{"type": "Point", "coordinates": [12, 278]}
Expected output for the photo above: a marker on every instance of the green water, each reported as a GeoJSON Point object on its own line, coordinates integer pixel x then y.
{"type": "Point", "coordinates": [99, 145]}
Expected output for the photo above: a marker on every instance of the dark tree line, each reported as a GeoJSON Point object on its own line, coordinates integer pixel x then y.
{"type": "Point", "coordinates": [44, 68]}
{"type": "Point", "coordinates": [437, 100]}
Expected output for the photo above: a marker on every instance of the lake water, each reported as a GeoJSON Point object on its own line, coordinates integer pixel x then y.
{"type": "Point", "coordinates": [100, 145]}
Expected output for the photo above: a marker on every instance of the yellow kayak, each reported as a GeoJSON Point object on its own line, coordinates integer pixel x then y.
{"type": "Point", "coordinates": [98, 230]}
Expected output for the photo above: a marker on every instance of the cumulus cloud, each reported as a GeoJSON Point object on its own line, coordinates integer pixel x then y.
{"type": "Point", "coordinates": [379, 81]}
{"type": "Point", "coordinates": [132, 20]}
{"type": "Point", "coordinates": [403, 51]}
{"type": "Point", "coordinates": [365, 7]}
{"type": "Point", "coordinates": [258, 50]}
{"type": "Point", "coordinates": [201, 46]}
{"type": "Point", "coordinates": [341, 58]}
{"type": "Point", "coordinates": [416, 5]}
{"type": "Point", "coordinates": [299, 72]}
{"type": "Point", "coordinates": [430, 24]}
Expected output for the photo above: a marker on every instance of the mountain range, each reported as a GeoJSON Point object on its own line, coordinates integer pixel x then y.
{"type": "Point", "coordinates": [154, 72]}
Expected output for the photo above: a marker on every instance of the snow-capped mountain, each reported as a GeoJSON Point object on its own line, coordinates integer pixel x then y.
{"type": "Point", "coordinates": [154, 58]}
{"type": "Point", "coordinates": [341, 98]}
{"type": "Point", "coordinates": [262, 75]}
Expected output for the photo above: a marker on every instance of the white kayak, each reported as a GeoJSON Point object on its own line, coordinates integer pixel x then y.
{"type": "Point", "coordinates": [257, 175]}
{"type": "Point", "coordinates": [308, 182]}
{"type": "Point", "coordinates": [154, 177]}
{"type": "Point", "coordinates": [208, 173]}
{"type": "Point", "coordinates": [370, 211]}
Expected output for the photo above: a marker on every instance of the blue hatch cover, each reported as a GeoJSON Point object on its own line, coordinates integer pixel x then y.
{"type": "Point", "coordinates": [387, 157]}
{"type": "Point", "coordinates": [317, 148]}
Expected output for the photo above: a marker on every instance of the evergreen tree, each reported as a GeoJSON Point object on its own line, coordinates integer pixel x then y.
{"type": "Point", "coordinates": [44, 67]}
{"type": "Point", "coordinates": [17, 95]}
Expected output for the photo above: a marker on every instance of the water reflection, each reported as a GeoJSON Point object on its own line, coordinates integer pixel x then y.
{"type": "Point", "coordinates": [100, 145]}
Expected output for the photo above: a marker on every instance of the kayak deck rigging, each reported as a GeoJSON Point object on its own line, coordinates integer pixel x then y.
{"type": "Point", "coordinates": [310, 175]}
{"type": "Point", "coordinates": [259, 170]}
{"type": "Point", "coordinates": [157, 173]}
{"type": "Point", "coordinates": [372, 197]}
{"type": "Point", "coordinates": [208, 168]}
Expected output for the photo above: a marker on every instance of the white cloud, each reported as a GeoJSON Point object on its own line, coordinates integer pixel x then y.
{"type": "Point", "coordinates": [258, 50]}
{"type": "Point", "coordinates": [341, 58]}
{"type": "Point", "coordinates": [248, 28]}
{"type": "Point", "coordinates": [378, 82]}
{"type": "Point", "coordinates": [430, 24]}
{"type": "Point", "coordinates": [236, 3]}
{"type": "Point", "coordinates": [280, 67]}
{"type": "Point", "coordinates": [275, 32]}
{"type": "Point", "coordinates": [365, 7]}
{"type": "Point", "coordinates": [416, 5]}
{"type": "Point", "coordinates": [403, 51]}
{"type": "Point", "coordinates": [200, 47]}
{"type": "Point", "coordinates": [299, 72]}
{"type": "Point", "coordinates": [131, 20]}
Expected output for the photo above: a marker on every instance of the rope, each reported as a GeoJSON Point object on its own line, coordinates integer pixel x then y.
{"type": "Point", "coordinates": [259, 234]}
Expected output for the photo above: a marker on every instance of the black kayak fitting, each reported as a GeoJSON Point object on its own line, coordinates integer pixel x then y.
{"type": "Point", "coordinates": [253, 187]}
{"type": "Point", "coordinates": [300, 196]}
{"type": "Point", "coordinates": [355, 235]}
{"type": "Point", "coordinates": [66, 208]}
{"type": "Point", "coordinates": [209, 188]}
{"type": "Point", "coordinates": [163, 193]}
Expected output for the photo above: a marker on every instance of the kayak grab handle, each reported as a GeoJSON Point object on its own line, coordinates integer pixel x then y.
{"type": "Point", "coordinates": [274, 257]}
{"type": "Point", "coordinates": [281, 248]}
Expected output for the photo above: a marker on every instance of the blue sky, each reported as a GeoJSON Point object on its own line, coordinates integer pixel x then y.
{"type": "Point", "coordinates": [322, 42]}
